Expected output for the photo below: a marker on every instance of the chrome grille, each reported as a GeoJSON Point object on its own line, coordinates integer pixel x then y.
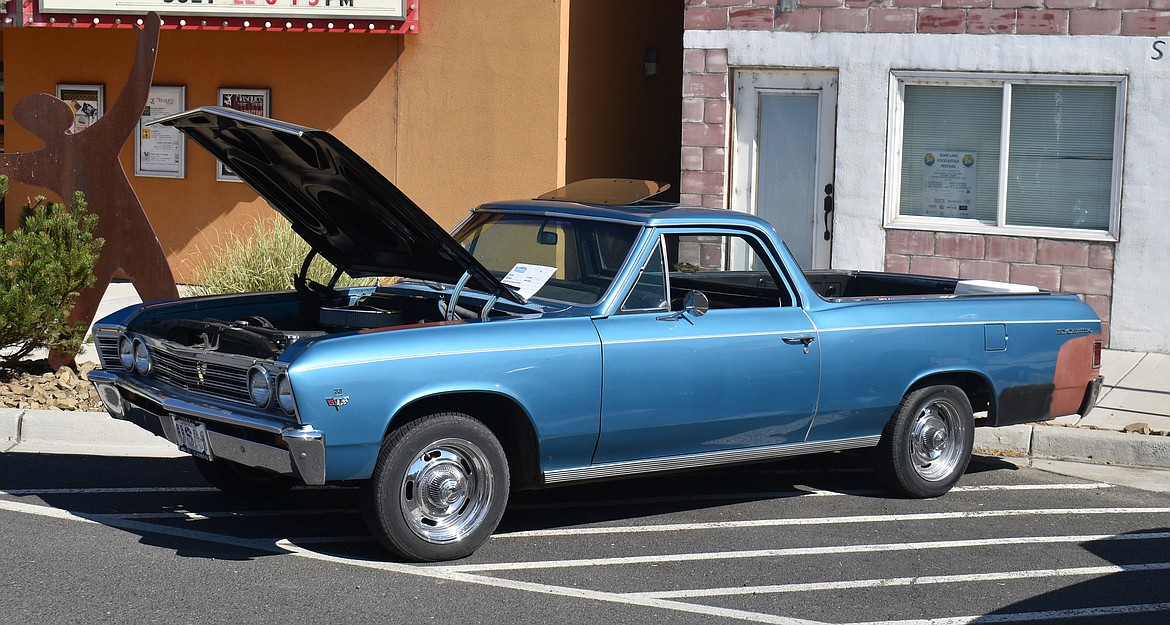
{"type": "Point", "coordinates": [107, 346]}
{"type": "Point", "coordinates": [217, 379]}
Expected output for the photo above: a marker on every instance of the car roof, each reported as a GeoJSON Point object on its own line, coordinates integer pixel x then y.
{"type": "Point", "coordinates": [640, 213]}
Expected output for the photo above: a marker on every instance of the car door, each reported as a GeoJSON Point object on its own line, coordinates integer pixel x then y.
{"type": "Point", "coordinates": [676, 382]}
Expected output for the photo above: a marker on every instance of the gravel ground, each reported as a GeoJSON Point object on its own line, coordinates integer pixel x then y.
{"type": "Point", "coordinates": [34, 386]}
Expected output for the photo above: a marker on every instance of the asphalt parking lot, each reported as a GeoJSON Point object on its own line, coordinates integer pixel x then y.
{"type": "Point", "coordinates": [100, 539]}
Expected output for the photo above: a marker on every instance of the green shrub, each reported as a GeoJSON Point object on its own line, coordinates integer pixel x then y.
{"type": "Point", "coordinates": [44, 263]}
{"type": "Point", "coordinates": [266, 259]}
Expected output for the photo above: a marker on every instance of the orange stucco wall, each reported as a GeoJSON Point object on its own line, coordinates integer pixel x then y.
{"type": "Point", "coordinates": [464, 112]}
{"type": "Point", "coordinates": [621, 122]}
{"type": "Point", "coordinates": [479, 106]}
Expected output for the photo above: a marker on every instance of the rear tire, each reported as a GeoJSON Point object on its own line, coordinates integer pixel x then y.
{"type": "Point", "coordinates": [236, 479]}
{"type": "Point", "coordinates": [439, 488]}
{"type": "Point", "coordinates": [927, 444]}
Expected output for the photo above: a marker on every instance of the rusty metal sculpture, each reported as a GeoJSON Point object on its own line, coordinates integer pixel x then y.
{"type": "Point", "coordinates": [88, 161]}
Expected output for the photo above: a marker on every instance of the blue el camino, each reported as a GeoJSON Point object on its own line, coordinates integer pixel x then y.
{"type": "Point", "coordinates": [590, 333]}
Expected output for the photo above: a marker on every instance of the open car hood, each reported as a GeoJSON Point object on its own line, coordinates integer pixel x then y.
{"type": "Point", "coordinates": [347, 211]}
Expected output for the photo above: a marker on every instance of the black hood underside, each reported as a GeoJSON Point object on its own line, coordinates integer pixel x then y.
{"type": "Point", "coordinates": [344, 208]}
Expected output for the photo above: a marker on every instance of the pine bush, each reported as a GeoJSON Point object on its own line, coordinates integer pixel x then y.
{"type": "Point", "coordinates": [44, 263]}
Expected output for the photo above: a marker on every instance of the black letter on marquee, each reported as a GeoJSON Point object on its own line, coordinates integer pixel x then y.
{"type": "Point", "coordinates": [1158, 54]}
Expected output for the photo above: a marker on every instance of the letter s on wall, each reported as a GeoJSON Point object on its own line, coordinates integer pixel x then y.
{"type": "Point", "coordinates": [1157, 46]}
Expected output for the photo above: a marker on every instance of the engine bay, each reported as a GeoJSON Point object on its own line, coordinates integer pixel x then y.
{"type": "Point", "coordinates": [267, 335]}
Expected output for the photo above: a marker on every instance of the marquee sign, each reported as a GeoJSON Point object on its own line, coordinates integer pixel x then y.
{"type": "Point", "coordinates": [261, 9]}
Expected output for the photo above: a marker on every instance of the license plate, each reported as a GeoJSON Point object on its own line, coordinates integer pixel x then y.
{"type": "Point", "coordinates": [192, 438]}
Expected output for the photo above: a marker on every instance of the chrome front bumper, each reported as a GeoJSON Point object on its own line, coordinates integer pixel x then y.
{"type": "Point", "coordinates": [300, 451]}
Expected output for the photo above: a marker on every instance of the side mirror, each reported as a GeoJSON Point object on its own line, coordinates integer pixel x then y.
{"type": "Point", "coordinates": [696, 303]}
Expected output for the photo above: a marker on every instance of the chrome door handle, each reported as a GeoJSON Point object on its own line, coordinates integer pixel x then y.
{"type": "Point", "coordinates": [805, 340]}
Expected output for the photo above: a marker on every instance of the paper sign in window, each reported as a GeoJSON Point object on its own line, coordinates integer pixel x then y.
{"type": "Point", "coordinates": [527, 279]}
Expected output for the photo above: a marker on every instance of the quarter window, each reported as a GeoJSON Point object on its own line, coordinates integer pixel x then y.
{"type": "Point", "coordinates": [1027, 155]}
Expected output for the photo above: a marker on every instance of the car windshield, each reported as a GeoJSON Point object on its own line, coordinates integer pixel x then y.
{"type": "Point", "coordinates": [565, 260]}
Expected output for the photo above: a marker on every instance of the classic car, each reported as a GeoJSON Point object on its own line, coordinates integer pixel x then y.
{"type": "Point", "coordinates": [590, 333]}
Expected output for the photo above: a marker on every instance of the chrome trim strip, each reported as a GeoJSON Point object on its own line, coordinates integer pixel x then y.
{"type": "Point", "coordinates": [729, 335]}
{"type": "Point", "coordinates": [943, 324]}
{"type": "Point", "coordinates": [673, 463]}
{"type": "Point", "coordinates": [179, 406]}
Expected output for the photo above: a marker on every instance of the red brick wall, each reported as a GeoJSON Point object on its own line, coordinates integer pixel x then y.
{"type": "Point", "coordinates": [705, 84]}
{"type": "Point", "coordinates": [1143, 18]}
{"type": "Point", "coordinates": [1068, 266]}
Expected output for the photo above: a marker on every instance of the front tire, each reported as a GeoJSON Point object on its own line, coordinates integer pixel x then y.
{"type": "Point", "coordinates": [439, 488]}
{"type": "Point", "coordinates": [927, 444]}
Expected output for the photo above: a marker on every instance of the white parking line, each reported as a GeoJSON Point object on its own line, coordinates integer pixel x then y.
{"type": "Point", "coordinates": [137, 526]}
{"type": "Point", "coordinates": [797, 551]}
{"type": "Point", "coordinates": [838, 520]}
{"type": "Point", "coordinates": [800, 491]}
{"type": "Point", "coordinates": [455, 573]}
{"type": "Point", "coordinates": [907, 581]}
{"type": "Point", "coordinates": [284, 546]}
{"type": "Point", "coordinates": [1018, 617]}
{"type": "Point", "coordinates": [548, 589]}
{"type": "Point", "coordinates": [46, 511]}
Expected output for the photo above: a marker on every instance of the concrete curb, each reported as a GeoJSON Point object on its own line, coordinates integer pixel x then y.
{"type": "Point", "coordinates": [1075, 444]}
{"type": "Point", "coordinates": [9, 428]}
{"type": "Point", "coordinates": [87, 433]}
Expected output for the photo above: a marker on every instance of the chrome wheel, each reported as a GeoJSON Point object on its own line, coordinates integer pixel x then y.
{"type": "Point", "coordinates": [438, 489]}
{"type": "Point", "coordinates": [926, 445]}
{"type": "Point", "coordinates": [446, 491]}
{"type": "Point", "coordinates": [935, 439]}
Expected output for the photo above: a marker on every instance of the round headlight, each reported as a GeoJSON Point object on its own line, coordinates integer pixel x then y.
{"type": "Point", "coordinates": [126, 353]}
{"type": "Point", "coordinates": [284, 394]}
{"type": "Point", "coordinates": [142, 362]}
{"type": "Point", "coordinates": [259, 386]}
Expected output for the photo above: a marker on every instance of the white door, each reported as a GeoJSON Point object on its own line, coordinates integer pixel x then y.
{"type": "Point", "coordinates": [782, 156]}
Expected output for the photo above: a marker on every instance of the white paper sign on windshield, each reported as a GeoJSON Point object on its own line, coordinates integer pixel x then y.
{"type": "Point", "coordinates": [527, 279]}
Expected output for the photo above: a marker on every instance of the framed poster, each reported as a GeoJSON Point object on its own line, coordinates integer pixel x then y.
{"type": "Point", "coordinates": [87, 101]}
{"type": "Point", "coordinates": [160, 151]}
{"type": "Point", "coordinates": [254, 101]}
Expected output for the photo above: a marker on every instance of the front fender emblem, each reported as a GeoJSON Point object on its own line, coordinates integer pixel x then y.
{"type": "Point", "coordinates": [337, 401]}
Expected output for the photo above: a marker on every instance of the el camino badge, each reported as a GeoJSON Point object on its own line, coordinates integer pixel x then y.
{"type": "Point", "coordinates": [338, 400]}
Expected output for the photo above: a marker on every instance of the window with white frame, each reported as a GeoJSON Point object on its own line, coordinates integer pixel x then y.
{"type": "Point", "coordinates": [1030, 155]}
